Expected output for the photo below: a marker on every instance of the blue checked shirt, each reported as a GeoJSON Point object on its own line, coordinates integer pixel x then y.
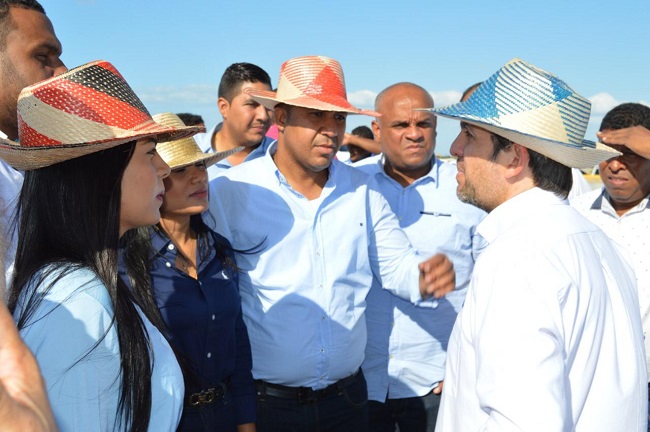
{"type": "Point", "coordinates": [407, 344]}
{"type": "Point", "coordinates": [307, 266]}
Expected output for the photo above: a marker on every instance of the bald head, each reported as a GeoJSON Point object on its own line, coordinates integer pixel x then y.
{"type": "Point", "coordinates": [407, 135]}
{"type": "Point", "coordinates": [387, 96]}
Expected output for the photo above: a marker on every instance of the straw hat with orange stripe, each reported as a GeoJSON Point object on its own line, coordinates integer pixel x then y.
{"type": "Point", "coordinates": [315, 82]}
{"type": "Point", "coordinates": [85, 110]}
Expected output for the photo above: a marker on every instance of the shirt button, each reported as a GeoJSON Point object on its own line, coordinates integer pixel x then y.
{"type": "Point", "coordinates": [213, 317]}
{"type": "Point", "coordinates": [170, 247]}
{"type": "Point", "coordinates": [318, 253]}
{"type": "Point", "coordinates": [322, 350]}
{"type": "Point", "coordinates": [323, 318]}
{"type": "Point", "coordinates": [168, 264]}
{"type": "Point", "coordinates": [209, 355]}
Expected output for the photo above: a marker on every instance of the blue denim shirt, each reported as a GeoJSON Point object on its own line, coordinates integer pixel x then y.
{"type": "Point", "coordinates": [204, 321]}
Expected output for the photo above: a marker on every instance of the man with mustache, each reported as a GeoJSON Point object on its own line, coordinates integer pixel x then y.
{"type": "Point", "coordinates": [550, 323]}
{"type": "Point", "coordinates": [311, 233]}
{"type": "Point", "coordinates": [621, 207]}
{"type": "Point", "coordinates": [245, 121]}
{"type": "Point", "coordinates": [406, 350]}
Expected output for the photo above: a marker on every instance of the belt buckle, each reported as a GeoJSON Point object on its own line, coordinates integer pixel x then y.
{"type": "Point", "coordinates": [305, 395]}
{"type": "Point", "coordinates": [204, 397]}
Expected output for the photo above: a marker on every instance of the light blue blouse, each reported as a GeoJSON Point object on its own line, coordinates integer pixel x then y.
{"type": "Point", "coordinates": [81, 366]}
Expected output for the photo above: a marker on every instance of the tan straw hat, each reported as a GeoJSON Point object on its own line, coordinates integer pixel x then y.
{"type": "Point", "coordinates": [185, 151]}
{"type": "Point", "coordinates": [536, 109]}
{"type": "Point", "coordinates": [310, 82]}
{"type": "Point", "coordinates": [85, 110]}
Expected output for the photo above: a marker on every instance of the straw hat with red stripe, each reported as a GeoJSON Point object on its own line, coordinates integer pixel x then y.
{"type": "Point", "coordinates": [85, 110]}
{"type": "Point", "coordinates": [315, 82]}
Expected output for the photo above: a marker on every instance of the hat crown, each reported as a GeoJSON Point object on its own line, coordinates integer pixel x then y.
{"type": "Point", "coordinates": [522, 97]}
{"type": "Point", "coordinates": [87, 104]}
{"type": "Point", "coordinates": [316, 76]}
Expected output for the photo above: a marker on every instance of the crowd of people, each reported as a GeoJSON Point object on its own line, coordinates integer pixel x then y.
{"type": "Point", "coordinates": [161, 277]}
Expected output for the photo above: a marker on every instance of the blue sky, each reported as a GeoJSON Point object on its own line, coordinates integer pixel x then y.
{"type": "Point", "coordinates": [173, 52]}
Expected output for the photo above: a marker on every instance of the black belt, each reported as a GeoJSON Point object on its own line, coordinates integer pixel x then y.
{"type": "Point", "coordinates": [208, 396]}
{"type": "Point", "coordinates": [303, 394]}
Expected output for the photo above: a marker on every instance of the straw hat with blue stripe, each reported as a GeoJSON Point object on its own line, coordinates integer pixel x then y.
{"type": "Point", "coordinates": [536, 109]}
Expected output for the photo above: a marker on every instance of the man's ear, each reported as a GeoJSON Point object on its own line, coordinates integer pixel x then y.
{"type": "Point", "coordinates": [280, 117]}
{"type": "Point", "coordinates": [223, 106]}
{"type": "Point", "coordinates": [376, 130]}
{"type": "Point", "coordinates": [515, 160]}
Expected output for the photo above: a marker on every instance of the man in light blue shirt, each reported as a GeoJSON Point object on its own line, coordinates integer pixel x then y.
{"type": "Point", "coordinates": [245, 121]}
{"type": "Point", "coordinates": [305, 273]}
{"type": "Point", "coordinates": [406, 350]}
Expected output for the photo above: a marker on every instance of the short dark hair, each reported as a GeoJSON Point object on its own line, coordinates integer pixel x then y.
{"type": "Point", "coordinates": [6, 25]}
{"type": "Point", "coordinates": [548, 174]}
{"type": "Point", "coordinates": [626, 115]}
{"type": "Point", "coordinates": [469, 90]}
{"type": "Point", "coordinates": [363, 132]}
{"type": "Point", "coordinates": [238, 73]}
{"type": "Point", "coordinates": [191, 119]}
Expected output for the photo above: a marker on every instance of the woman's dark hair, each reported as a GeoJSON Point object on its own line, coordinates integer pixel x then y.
{"type": "Point", "coordinates": [70, 217]}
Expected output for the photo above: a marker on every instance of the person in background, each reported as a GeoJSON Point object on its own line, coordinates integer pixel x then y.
{"type": "Point", "coordinates": [189, 119]}
{"type": "Point", "coordinates": [353, 142]}
{"type": "Point", "coordinates": [620, 207]}
{"type": "Point", "coordinates": [405, 355]}
{"type": "Point", "coordinates": [245, 121]}
{"type": "Point", "coordinates": [550, 322]}
{"type": "Point", "coordinates": [194, 284]}
{"type": "Point", "coordinates": [29, 52]}
{"type": "Point", "coordinates": [88, 147]}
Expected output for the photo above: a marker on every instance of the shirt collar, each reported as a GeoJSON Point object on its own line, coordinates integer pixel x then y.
{"type": "Point", "coordinates": [508, 214]}
{"type": "Point", "coordinates": [603, 203]}
{"type": "Point", "coordinates": [432, 175]}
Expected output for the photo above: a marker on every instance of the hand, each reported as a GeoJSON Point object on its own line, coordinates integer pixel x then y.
{"type": "Point", "coordinates": [438, 389]}
{"type": "Point", "coordinates": [246, 427]}
{"type": "Point", "coordinates": [347, 138]}
{"type": "Point", "coordinates": [636, 138]}
{"type": "Point", "coordinates": [23, 400]}
{"type": "Point", "coordinates": [437, 276]}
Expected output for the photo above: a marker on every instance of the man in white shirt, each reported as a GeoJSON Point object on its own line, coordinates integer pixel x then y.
{"type": "Point", "coordinates": [29, 52]}
{"type": "Point", "coordinates": [549, 338]}
{"type": "Point", "coordinates": [621, 207]}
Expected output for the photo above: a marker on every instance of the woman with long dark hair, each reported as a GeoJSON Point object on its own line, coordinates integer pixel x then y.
{"type": "Point", "coordinates": [194, 283]}
{"type": "Point", "coordinates": [88, 147]}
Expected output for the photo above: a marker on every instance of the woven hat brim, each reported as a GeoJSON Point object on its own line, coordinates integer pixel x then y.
{"type": "Point", "coordinates": [269, 99]}
{"type": "Point", "coordinates": [586, 155]}
{"type": "Point", "coordinates": [208, 158]}
{"type": "Point", "coordinates": [28, 158]}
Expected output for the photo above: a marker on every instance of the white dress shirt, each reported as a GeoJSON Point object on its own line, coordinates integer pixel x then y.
{"type": "Point", "coordinates": [549, 338]}
{"type": "Point", "coordinates": [307, 266]}
{"type": "Point", "coordinates": [632, 232]}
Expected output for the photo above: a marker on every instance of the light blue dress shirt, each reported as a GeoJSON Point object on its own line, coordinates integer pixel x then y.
{"type": "Point", "coordinates": [307, 267]}
{"type": "Point", "coordinates": [407, 344]}
{"type": "Point", "coordinates": [204, 140]}
{"type": "Point", "coordinates": [78, 352]}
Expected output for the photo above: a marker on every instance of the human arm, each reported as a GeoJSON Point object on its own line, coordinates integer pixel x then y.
{"type": "Point", "coordinates": [437, 276]}
{"type": "Point", "coordinates": [636, 138]}
{"type": "Point", "coordinates": [23, 400]}
{"type": "Point", "coordinates": [365, 143]}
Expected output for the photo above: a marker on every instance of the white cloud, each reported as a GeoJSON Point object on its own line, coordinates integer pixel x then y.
{"type": "Point", "coordinates": [362, 98]}
{"type": "Point", "coordinates": [200, 94]}
{"type": "Point", "coordinates": [602, 102]}
{"type": "Point", "coordinates": [446, 97]}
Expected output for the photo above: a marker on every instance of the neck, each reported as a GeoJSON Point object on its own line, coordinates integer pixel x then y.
{"type": "Point", "coordinates": [223, 141]}
{"type": "Point", "coordinates": [408, 176]}
{"type": "Point", "coordinates": [308, 183]}
{"type": "Point", "coordinates": [177, 228]}
{"type": "Point", "coordinates": [622, 208]}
